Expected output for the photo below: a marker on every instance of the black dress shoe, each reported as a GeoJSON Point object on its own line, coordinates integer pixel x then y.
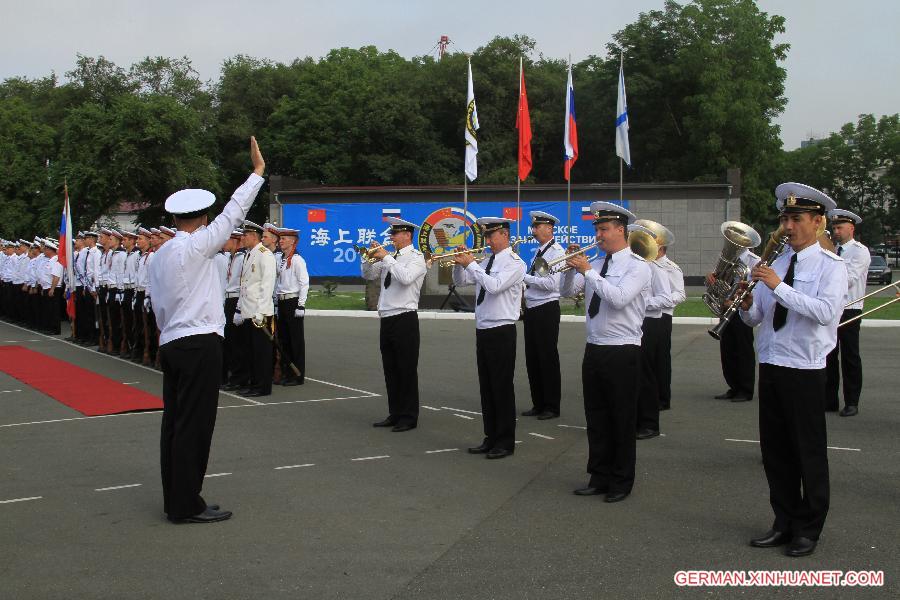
{"type": "Point", "coordinates": [547, 415]}
{"type": "Point", "coordinates": [256, 394]}
{"type": "Point", "coordinates": [402, 427]}
{"type": "Point", "coordinates": [770, 539]}
{"type": "Point", "coordinates": [646, 434]}
{"type": "Point", "coordinates": [590, 490]}
{"type": "Point", "coordinates": [800, 546]}
{"type": "Point", "coordinates": [209, 515]}
{"type": "Point", "coordinates": [482, 449]}
{"type": "Point", "coordinates": [615, 496]}
{"type": "Point", "coordinates": [531, 413]}
{"type": "Point", "coordinates": [665, 407]}
{"type": "Point", "coordinates": [231, 387]}
{"type": "Point", "coordinates": [212, 506]}
{"type": "Point", "coordinates": [742, 397]}
{"type": "Point", "coordinates": [389, 422]}
{"type": "Point", "coordinates": [727, 395]}
{"type": "Point", "coordinates": [292, 382]}
{"type": "Point", "coordinates": [498, 453]}
{"type": "Point", "coordinates": [849, 411]}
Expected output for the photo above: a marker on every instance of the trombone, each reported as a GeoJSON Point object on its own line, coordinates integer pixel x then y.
{"type": "Point", "coordinates": [896, 284]}
{"type": "Point", "coordinates": [446, 260]}
{"type": "Point", "coordinates": [545, 268]}
{"type": "Point", "coordinates": [366, 251]}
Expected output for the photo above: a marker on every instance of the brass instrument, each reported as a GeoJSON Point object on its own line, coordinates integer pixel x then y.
{"type": "Point", "coordinates": [823, 236]}
{"type": "Point", "coordinates": [366, 252]}
{"type": "Point", "coordinates": [896, 284]}
{"type": "Point", "coordinates": [642, 241]}
{"type": "Point", "coordinates": [775, 246]}
{"type": "Point", "coordinates": [545, 268]}
{"type": "Point", "coordinates": [446, 260]}
{"type": "Point", "coordinates": [730, 271]}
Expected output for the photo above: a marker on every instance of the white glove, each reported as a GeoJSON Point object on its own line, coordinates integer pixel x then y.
{"type": "Point", "coordinates": [259, 319]}
{"type": "Point", "coordinates": [120, 297]}
{"type": "Point", "coordinates": [275, 304]}
{"type": "Point", "coordinates": [133, 302]}
{"type": "Point", "coordinates": [238, 318]}
{"type": "Point", "coordinates": [300, 312]}
{"type": "Point", "coordinates": [147, 303]}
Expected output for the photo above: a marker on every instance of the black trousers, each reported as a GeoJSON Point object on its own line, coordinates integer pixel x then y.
{"type": "Point", "coordinates": [292, 340]}
{"type": "Point", "coordinates": [260, 355]}
{"type": "Point", "coordinates": [50, 311]}
{"type": "Point", "coordinates": [793, 442]}
{"type": "Point", "coordinates": [648, 397]}
{"type": "Point", "coordinates": [190, 367]}
{"type": "Point", "coordinates": [32, 304]}
{"type": "Point", "coordinates": [541, 325]}
{"type": "Point", "coordinates": [664, 362]}
{"type": "Point", "coordinates": [152, 334]}
{"type": "Point", "coordinates": [114, 319]}
{"type": "Point", "coordinates": [738, 357]}
{"type": "Point", "coordinates": [102, 314]}
{"type": "Point", "coordinates": [128, 320]}
{"type": "Point", "coordinates": [90, 317]}
{"type": "Point", "coordinates": [610, 376]}
{"type": "Point", "coordinates": [495, 351]}
{"type": "Point", "coordinates": [138, 334]}
{"type": "Point", "coordinates": [399, 342]}
{"type": "Point", "coordinates": [237, 341]}
{"type": "Point", "coordinates": [846, 356]}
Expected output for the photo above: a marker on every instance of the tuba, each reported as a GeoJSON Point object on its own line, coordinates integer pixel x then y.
{"type": "Point", "coordinates": [642, 241]}
{"type": "Point", "coordinates": [730, 271]}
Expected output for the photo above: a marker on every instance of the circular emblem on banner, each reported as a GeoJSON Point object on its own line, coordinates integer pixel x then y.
{"type": "Point", "coordinates": [446, 228]}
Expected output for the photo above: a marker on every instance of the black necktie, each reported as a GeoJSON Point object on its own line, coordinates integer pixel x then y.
{"type": "Point", "coordinates": [840, 250]}
{"type": "Point", "coordinates": [780, 310]}
{"type": "Point", "coordinates": [487, 272]}
{"type": "Point", "coordinates": [594, 308]}
{"type": "Point", "coordinates": [387, 280]}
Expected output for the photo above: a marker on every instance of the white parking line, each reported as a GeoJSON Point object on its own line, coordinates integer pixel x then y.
{"type": "Point", "coordinates": [217, 475]}
{"type": "Point", "coordinates": [20, 500]}
{"type": "Point", "coordinates": [829, 447]}
{"type": "Point", "coordinates": [118, 487]}
{"type": "Point", "coordinates": [370, 457]}
{"type": "Point", "coordinates": [543, 437]}
{"type": "Point", "coordinates": [431, 408]}
{"type": "Point", "coordinates": [572, 426]}
{"type": "Point", "coordinates": [9, 391]}
{"type": "Point", "coordinates": [295, 466]}
{"type": "Point", "coordinates": [471, 412]}
{"type": "Point", "coordinates": [130, 382]}
{"type": "Point", "coordinates": [441, 450]}
{"type": "Point", "coordinates": [239, 397]}
{"type": "Point", "coordinates": [342, 386]}
{"type": "Point", "coordinates": [464, 417]}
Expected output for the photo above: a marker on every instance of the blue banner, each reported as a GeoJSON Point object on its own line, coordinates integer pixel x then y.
{"type": "Point", "coordinates": [329, 232]}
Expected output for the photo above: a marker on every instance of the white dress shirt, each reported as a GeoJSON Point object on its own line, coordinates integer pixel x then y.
{"type": "Point", "coordinates": [407, 269]}
{"type": "Point", "coordinates": [131, 265]}
{"type": "Point", "coordinates": [183, 277]}
{"type": "Point", "coordinates": [233, 272]}
{"type": "Point", "coordinates": [623, 296]}
{"type": "Point", "coordinates": [50, 269]}
{"type": "Point", "coordinates": [21, 273]}
{"type": "Point", "coordinates": [149, 265]}
{"type": "Point", "coordinates": [222, 259]}
{"type": "Point", "coordinates": [541, 290]}
{"type": "Point", "coordinates": [142, 274]}
{"type": "Point", "coordinates": [676, 284]}
{"type": "Point", "coordinates": [36, 269]}
{"type": "Point", "coordinates": [293, 279]}
{"type": "Point", "coordinates": [660, 295]}
{"type": "Point", "coordinates": [92, 268]}
{"type": "Point", "coordinates": [503, 288]}
{"type": "Point", "coordinates": [257, 284]}
{"type": "Point", "coordinates": [856, 258]}
{"type": "Point", "coordinates": [105, 261]}
{"type": "Point", "coordinates": [814, 302]}
{"type": "Point", "coordinates": [116, 275]}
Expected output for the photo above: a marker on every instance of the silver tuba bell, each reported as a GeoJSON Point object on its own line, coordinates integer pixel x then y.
{"type": "Point", "coordinates": [730, 271]}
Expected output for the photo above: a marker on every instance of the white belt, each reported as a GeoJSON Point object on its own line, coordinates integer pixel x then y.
{"type": "Point", "coordinates": [129, 286]}
{"type": "Point", "coordinates": [232, 294]}
{"type": "Point", "coordinates": [288, 296]}
{"type": "Point", "coordinates": [139, 289]}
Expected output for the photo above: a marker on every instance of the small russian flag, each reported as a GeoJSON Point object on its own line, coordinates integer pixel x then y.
{"type": "Point", "coordinates": [586, 214]}
{"type": "Point", "coordinates": [389, 212]}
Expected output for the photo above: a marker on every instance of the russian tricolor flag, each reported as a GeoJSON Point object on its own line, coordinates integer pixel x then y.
{"type": "Point", "coordinates": [586, 214]}
{"type": "Point", "coordinates": [67, 253]}
{"type": "Point", "coordinates": [570, 138]}
{"type": "Point", "coordinates": [390, 212]}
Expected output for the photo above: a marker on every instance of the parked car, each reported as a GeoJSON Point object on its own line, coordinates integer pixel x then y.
{"type": "Point", "coordinates": [879, 271]}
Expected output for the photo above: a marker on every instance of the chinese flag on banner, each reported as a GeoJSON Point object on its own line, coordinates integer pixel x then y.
{"type": "Point", "coordinates": [523, 124]}
{"type": "Point", "coordinates": [315, 215]}
{"type": "Point", "coordinates": [511, 212]}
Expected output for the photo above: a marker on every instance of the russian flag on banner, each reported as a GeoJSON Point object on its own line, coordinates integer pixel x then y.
{"type": "Point", "coordinates": [570, 138]}
{"type": "Point", "coordinates": [389, 212]}
{"type": "Point", "coordinates": [67, 253]}
{"type": "Point", "coordinates": [586, 214]}
{"type": "Point", "coordinates": [511, 212]}
{"type": "Point", "coordinates": [315, 215]}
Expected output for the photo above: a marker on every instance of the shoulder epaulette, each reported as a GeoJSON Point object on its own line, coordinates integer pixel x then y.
{"type": "Point", "coordinates": [831, 255]}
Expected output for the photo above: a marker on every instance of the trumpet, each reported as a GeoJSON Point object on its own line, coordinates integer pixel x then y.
{"type": "Point", "coordinates": [366, 251]}
{"type": "Point", "coordinates": [896, 284]}
{"type": "Point", "coordinates": [446, 260]}
{"type": "Point", "coordinates": [545, 268]}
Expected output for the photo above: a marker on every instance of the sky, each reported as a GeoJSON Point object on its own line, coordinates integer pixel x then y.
{"type": "Point", "coordinates": [844, 58]}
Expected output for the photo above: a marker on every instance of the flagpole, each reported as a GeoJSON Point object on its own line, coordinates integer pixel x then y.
{"type": "Point", "coordinates": [519, 181]}
{"type": "Point", "coordinates": [569, 185]}
{"type": "Point", "coordinates": [621, 198]}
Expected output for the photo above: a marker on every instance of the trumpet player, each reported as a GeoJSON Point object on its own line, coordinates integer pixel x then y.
{"type": "Point", "coordinates": [498, 291]}
{"type": "Point", "coordinates": [401, 273]}
{"type": "Point", "coordinates": [615, 293]}
{"type": "Point", "coordinates": [797, 310]}
{"type": "Point", "coordinates": [541, 321]}
{"type": "Point", "coordinates": [846, 354]}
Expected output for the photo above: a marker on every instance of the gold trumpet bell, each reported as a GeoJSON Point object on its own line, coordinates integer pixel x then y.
{"type": "Point", "coordinates": [823, 237]}
{"type": "Point", "coordinates": [642, 242]}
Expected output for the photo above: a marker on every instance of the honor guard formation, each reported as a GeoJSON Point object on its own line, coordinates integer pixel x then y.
{"type": "Point", "coordinates": [220, 304]}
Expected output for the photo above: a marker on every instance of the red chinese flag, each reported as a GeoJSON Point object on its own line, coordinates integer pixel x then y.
{"type": "Point", "coordinates": [315, 215]}
{"type": "Point", "coordinates": [511, 212]}
{"type": "Point", "coordinates": [523, 124]}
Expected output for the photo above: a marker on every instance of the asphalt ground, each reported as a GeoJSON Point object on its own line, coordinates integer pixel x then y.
{"type": "Point", "coordinates": [325, 506]}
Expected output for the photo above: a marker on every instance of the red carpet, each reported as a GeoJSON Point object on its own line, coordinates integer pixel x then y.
{"type": "Point", "coordinates": [85, 391]}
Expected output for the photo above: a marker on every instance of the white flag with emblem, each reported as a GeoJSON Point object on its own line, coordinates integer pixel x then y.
{"type": "Point", "coordinates": [471, 128]}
